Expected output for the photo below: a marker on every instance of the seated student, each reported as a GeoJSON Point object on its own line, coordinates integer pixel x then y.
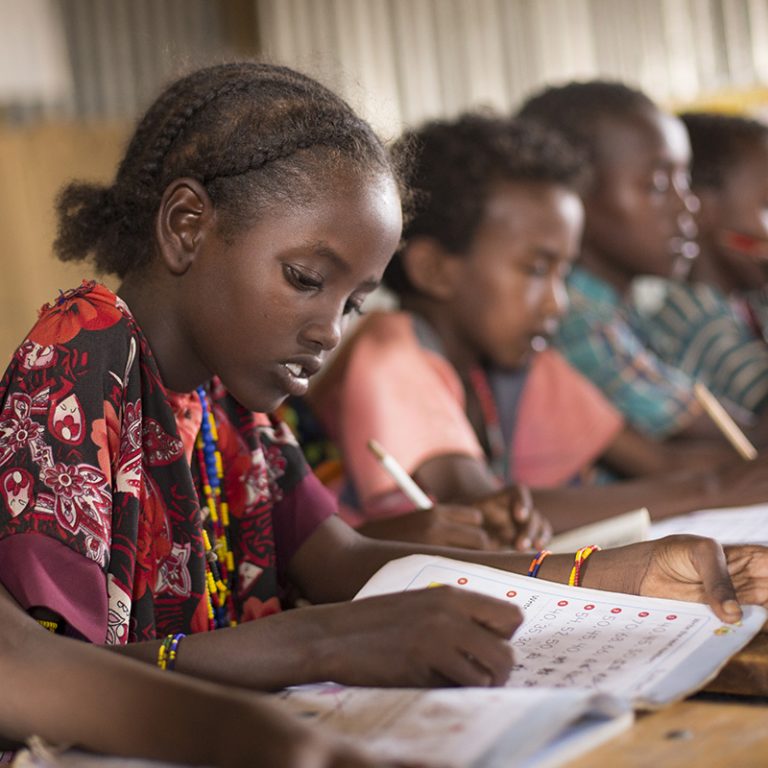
{"type": "Point", "coordinates": [450, 385]}
{"type": "Point", "coordinates": [712, 326]}
{"type": "Point", "coordinates": [144, 501]}
{"type": "Point", "coordinates": [638, 221]}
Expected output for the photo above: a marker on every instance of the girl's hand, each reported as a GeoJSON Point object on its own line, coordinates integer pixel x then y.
{"type": "Point", "coordinates": [748, 569]}
{"type": "Point", "coordinates": [430, 637]}
{"type": "Point", "coordinates": [689, 568]}
{"type": "Point", "coordinates": [512, 519]}
{"type": "Point", "coordinates": [444, 525]}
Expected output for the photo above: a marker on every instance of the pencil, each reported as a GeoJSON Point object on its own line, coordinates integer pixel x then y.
{"type": "Point", "coordinates": [724, 422]}
{"type": "Point", "coordinates": [404, 481]}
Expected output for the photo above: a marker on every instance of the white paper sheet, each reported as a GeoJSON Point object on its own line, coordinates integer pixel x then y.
{"type": "Point", "coordinates": [729, 525]}
{"type": "Point", "coordinates": [646, 650]}
{"type": "Point", "coordinates": [616, 531]}
{"type": "Point", "coordinates": [457, 728]}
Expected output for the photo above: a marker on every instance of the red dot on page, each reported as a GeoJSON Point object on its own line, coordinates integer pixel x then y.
{"type": "Point", "coordinates": [462, 580]}
{"type": "Point", "coordinates": [511, 593]}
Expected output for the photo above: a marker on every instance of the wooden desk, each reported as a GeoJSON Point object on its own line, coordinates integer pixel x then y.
{"type": "Point", "coordinates": [746, 674]}
{"type": "Point", "coordinates": [701, 733]}
{"type": "Point", "coordinates": [705, 731]}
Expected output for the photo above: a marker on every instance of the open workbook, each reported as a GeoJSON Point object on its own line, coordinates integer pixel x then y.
{"type": "Point", "coordinates": [583, 660]}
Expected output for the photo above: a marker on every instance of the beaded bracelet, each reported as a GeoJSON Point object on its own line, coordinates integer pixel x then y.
{"type": "Point", "coordinates": [166, 654]}
{"type": "Point", "coordinates": [574, 580]}
{"type": "Point", "coordinates": [538, 559]}
{"type": "Point", "coordinates": [51, 626]}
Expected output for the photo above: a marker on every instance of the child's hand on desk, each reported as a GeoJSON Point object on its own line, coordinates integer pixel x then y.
{"type": "Point", "coordinates": [443, 525]}
{"type": "Point", "coordinates": [513, 521]}
{"type": "Point", "coordinates": [430, 637]}
{"type": "Point", "coordinates": [740, 482]}
{"type": "Point", "coordinates": [748, 568]}
{"type": "Point", "coordinates": [690, 568]}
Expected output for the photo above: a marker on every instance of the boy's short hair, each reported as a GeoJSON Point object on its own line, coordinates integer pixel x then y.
{"type": "Point", "coordinates": [450, 168]}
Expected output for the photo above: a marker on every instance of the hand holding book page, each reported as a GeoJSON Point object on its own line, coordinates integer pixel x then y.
{"type": "Point", "coordinates": [650, 651]}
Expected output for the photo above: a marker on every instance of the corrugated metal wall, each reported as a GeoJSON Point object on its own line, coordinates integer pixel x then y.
{"type": "Point", "coordinates": [401, 61]}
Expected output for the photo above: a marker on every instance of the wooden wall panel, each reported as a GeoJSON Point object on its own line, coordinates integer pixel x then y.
{"type": "Point", "coordinates": [34, 164]}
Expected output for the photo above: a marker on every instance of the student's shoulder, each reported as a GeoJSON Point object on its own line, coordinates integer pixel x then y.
{"type": "Point", "coordinates": [89, 324]}
{"type": "Point", "coordinates": [384, 329]}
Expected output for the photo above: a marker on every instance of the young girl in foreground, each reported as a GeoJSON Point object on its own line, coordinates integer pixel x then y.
{"type": "Point", "coordinates": [144, 498]}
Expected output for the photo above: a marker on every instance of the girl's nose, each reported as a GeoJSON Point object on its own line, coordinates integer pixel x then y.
{"type": "Point", "coordinates": [556, 301]}
{"type": "Point", "coordinates": [325, 333]}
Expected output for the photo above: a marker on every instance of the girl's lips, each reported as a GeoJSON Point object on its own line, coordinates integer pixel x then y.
{"type": "Point", "coordinates": [294, 378]}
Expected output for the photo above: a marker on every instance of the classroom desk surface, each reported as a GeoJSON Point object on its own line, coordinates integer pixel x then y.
{"type": "Point", "coordinates": [708, 731]}
{"type": "Point", "coordinates": [746, 674]}
{"type": "Point", "coordinates": [697, 732]}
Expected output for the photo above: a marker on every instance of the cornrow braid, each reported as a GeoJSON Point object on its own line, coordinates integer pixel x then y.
{"type": "Point", "coordinates": [718, 142]}
{"type": "Point", "coordinates": [453, 166]}
{"type": "Point", "coordinates": [252, 133]}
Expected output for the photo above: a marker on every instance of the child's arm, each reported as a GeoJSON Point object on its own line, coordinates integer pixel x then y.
{"type": "Point", "coordinates": [72, 693]}
{"type": "Point", "coordinates": [467, 480]}
{"type": "Point", "coordinates": [680, 567]}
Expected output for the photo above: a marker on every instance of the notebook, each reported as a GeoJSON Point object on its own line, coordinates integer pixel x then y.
{"type": "Point", "coordinates": [650, 651]}
{"type": "Point", "coordinates": [584, 660]}
{"type": "Point", "coordinates": [461, 727]}
{"type": "Point", "coordinates": [729, 525]}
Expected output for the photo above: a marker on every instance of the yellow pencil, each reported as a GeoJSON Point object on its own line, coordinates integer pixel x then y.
{"type": "Point", "coordinates": [724, 422]}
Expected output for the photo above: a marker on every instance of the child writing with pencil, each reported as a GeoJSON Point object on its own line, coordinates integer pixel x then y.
{"type": "Point", "coordinates": [452, 385]}
{"type": "Point", "coordinates": [149, 505]}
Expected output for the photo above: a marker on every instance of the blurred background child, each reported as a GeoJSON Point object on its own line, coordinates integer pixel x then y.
{"type": "Point", "coordinates": [639, 221]}
{"type": "Point", "coordinates": [458, 385]}
{"type": "Point", "coordinates": [712, 326]}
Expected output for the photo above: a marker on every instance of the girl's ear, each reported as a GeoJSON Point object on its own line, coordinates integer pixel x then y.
{"type": "Point", "coordinates": [431, 269]}
{"type": "Point", "coordinates": [183, 218]}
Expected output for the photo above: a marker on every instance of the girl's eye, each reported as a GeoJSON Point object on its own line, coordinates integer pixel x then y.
{"type": "Point", "coordinates": [537, 269]}
{"type": "Point", "coordinates": [302, 279]}
{"type": "Point", "coordinates": [353, 305]}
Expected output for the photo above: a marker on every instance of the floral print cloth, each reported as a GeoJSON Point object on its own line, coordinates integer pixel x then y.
{"type": "Point", "coordinates": [100, 520]}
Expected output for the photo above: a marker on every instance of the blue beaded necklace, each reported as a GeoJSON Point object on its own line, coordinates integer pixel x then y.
{"type": "Point", "coordinates": [219, 557]}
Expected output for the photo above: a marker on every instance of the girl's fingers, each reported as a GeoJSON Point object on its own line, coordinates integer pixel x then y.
{"type": "Point", "coordinates": [709, 561]}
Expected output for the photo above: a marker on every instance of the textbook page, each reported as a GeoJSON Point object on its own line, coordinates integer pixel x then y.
{"type": "Point", "coordinates": [729, 525]}
{"type": "Point", "coordinates": [616, 531]}
{"type": "Point", "coordinates": [647, 650]}
{"type": "Point", "coordinates": [462, 727]}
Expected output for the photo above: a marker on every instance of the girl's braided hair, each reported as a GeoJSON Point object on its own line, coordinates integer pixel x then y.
{"type": "Point", "coordinates": [255, 135]}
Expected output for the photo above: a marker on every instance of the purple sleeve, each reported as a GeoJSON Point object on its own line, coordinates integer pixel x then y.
{"type": "Point", "coordinates": [298, 515]}
{"type": "Point", "coordinates": [39, 571]}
